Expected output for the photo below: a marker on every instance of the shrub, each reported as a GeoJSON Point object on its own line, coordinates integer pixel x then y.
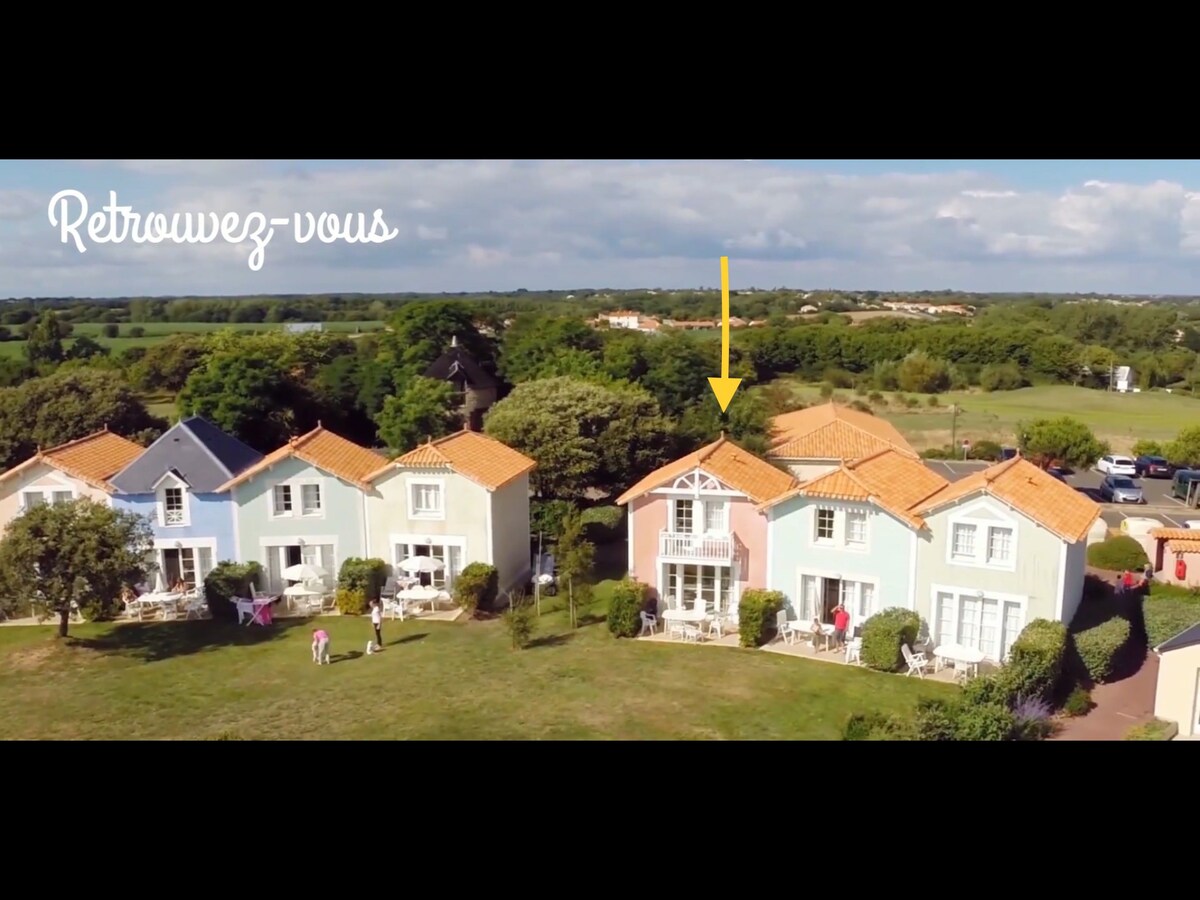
{"type": "Point", "coordinates": [366, 575]}
{"type": "Point", "coordinates": [875, 397]}
{"type": "Point", "coordinates": [1155, 730]}
{"type": "Point", "coordinates": [1032, 719]}
{"type": "Point", "coordinates": [993, 688]}
{"type": "Point", "coordinates": [546, 516]}
{"type": "Point", "coordinates": [351, 601]}
{"type": "Point", "coordinates": [625, 607]}
{"type": "Point", "coordinates": [1002, 377]}
{"type": "Point", "coordinates": [1146, 448]}
{"type": "Point", "coordinates": [518, 620]}
{"type": "Point", "coordinates": [603, 524]}
{"type": "Point", "coordinates": [883, 634]}
{"type": "Point", "coordinates": [110, 330]}
{"type": "Point", "coordinates": [1078, 702]}
{"type": "Point", "coordinates": [137, 331]}
{"type": "Point", "coordinates": [986, 722]}
{"type": "Point", "coordinates": [756, 616]}
{"type": "Point", "coordinates": [876, 726]}
{"type": "Point", "coordinates": [1036, 662]}
{"type": "Point", "coordinates": [936, 720]}
{"type": "Point", "coordinates": [989, 450]}
{"type": "Point", "coordinates": [1169, 610]}
{"type": "Point", "coordinates": [476, 586]}
{"type": "Point", "coordinates": [1100, 646]}
{"type": "Point", "coordinates": [931, 400]}
{"type": "Point", "coordinates": [227, 580]}
{"type": "Point", "coordinates": [826, 389]}
{"type": "Point", "coordinates": [860, 406]}
{"type": "Point", "coordinates": [839, 378]}
{"type": "Point", "coordinates": [1116, 554]}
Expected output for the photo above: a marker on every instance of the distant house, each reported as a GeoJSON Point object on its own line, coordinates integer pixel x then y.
{"type": "Point", "coordinates": [1122, 379]}
{"type": "Point", "coordinates": [474, 386]}
{"type": "Point", "coordinates": [302, 327]}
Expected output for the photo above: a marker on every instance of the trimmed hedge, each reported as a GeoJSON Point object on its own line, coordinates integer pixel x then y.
{"type": "Point", "coordinates": [1100, 647]}
{"type": "Point", "coordinates": [476, 585]}
{"type": "Point", "coordinates": [956, 720]}
{"type": "Point", "coordinates": [1036, 663]}
{"type": "Point", "coordinates": [1169, 610]}
{"type": "Point", "coordinates": [351, 602]}
{"type": "Point", "coordinates": [756, 616]}
{"type": "Point", "coordinates": [603, 524]}
{"type": "Point", "coordinates": [876, 726]}
{"type": "Point", "coordinates": [227, 580]}
{"type": "Point", "coordinates": [625, 606]}
{"type": "Point", "coordinates": [1116, 554]}
{"type": "Point", "coordinates": [366, 575]}
{"type": "Point", "coordinates": [883, 634]}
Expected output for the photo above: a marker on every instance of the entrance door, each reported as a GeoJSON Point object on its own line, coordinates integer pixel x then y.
{"type": "Point", "coordinates": [831, 596]}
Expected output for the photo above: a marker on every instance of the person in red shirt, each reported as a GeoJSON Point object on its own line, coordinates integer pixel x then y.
{"type": "Point", "coordinates": [841, 621]}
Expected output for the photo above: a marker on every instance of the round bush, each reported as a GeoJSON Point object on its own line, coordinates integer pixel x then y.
{"type": "Point", "coordinates": [1036, 661]}
{"type": "Point", "coordinates": [1116, 554]}
{"type": "Point", "coordinates": [1078, 703]}
{"type": "Point", "coordinates": [1099, 647]}
{"type": "Point", "coordinates": [883, 634]}
{"type": "Point", "coordinates": [624, 608]}
{"type": "Point", "coordinates": [351, 602]}
{"type": "Point", "coordinates": [986, 722]}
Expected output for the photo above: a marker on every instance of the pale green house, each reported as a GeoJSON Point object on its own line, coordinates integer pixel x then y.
{"type": "Point", "coordinates": [303, 503]}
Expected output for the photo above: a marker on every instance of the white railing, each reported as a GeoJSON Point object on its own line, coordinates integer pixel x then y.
{"type": "Point", "coordinates": [718, 548]}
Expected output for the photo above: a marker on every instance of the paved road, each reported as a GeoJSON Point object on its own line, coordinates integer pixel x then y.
{"type": "Point", "coordinates": [1157, 491]}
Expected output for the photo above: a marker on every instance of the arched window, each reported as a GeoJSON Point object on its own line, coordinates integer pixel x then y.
{"type": "Point", "coordinates": [696, 481]}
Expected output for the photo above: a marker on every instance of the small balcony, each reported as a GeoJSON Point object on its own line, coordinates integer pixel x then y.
{"type": "Point", "coordinates": [714, 548]}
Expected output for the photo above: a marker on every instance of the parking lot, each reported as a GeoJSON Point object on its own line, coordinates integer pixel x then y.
{"type": "Point", "coordinates": [1157, 491]}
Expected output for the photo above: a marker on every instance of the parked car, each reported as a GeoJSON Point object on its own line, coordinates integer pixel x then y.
{"type": "Point", "coordinates": [1116, 465]}
{"type": "Point", "coordinates": [1120, 489]}
{"type": "Point", "coordinates": [1153, 467]}
{"type": "Point", "coordinates": [1181, 482]}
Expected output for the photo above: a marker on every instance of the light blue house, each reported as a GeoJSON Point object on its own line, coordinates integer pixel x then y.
{"type": "Point", "coordinates": [848, 536]}
{"type": "Point", "coordinates": [174, 483]}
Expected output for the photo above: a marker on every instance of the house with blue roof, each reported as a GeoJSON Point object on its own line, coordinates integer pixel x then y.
{"type": "Point", "coordinates": [174, 483]}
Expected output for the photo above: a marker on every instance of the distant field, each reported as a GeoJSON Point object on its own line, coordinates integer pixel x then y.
{"type": "Point", "coordinates": [1120, 419]}
{"type": "Point", "coordinates": [156, 332]}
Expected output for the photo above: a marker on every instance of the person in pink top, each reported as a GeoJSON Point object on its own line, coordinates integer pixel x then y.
{"type": "Point", "coordinates": [320, 646]}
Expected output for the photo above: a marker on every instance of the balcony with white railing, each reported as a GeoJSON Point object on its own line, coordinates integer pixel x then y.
{"type": "Point", "coordinates": [715, 548]}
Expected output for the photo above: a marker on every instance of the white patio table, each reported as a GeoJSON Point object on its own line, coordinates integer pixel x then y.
{"type": "Point", "coordinates": [688, 616]}
{"type": "Point", "coordinates": [158, 599]}
{"type": "Point", "coordinates": [421, 595]}
{"type": "Point", "coordinates": [958, 655]}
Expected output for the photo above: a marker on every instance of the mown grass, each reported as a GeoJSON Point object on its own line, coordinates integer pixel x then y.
{"type": "Point", "coordinates": [434, 680]}
{"type": "Point", "coordinates": [156, 332]}
{"type": "Point", "coordinates": [1117, 418]}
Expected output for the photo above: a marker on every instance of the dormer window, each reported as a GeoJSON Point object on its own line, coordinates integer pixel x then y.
{"type": "Point", "coordinates": [173, 511]}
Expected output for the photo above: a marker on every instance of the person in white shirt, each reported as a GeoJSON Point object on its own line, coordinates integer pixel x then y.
{"type": "Point", "coordinates": [377, 623]}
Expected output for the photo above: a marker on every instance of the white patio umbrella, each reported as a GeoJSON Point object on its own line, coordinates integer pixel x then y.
{"type": "Point", "coordinates": [416, 564]}
{"type": "Point", "coordinates": [159, 585]}
{"type": "Point", "coordinates": [303, 572]}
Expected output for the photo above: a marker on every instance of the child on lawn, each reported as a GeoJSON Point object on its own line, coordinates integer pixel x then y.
{"type": "Point", "coordinates": [320, 646]}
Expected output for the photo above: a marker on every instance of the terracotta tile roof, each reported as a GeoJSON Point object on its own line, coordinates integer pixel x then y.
{"type": "Point", "coordinates": [1023, 486]}
{"type": "Point", "coordinates": [830, 431]}
{"type": "Point", "coordinates": [892, 480]}
{"type": "Point", "coordinates": [725, 460]}
{"type": "Point", "coordinates": [92, 459]}
{"type": "Point", "coordinates": [1180, 546]}
{"type": "Point", "coordinates": [1177, 534]}
{"type": "Point", "coordinates": [320, 448]}
{"type": "Point", "coordinates": [484, 460]}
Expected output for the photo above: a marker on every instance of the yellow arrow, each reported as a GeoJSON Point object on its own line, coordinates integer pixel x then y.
{"type": "Point", "coordinates": [724, 387]}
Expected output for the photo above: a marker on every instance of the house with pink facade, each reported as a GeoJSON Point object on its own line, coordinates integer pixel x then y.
{"type": "Point", "coordinates": [695, 530]}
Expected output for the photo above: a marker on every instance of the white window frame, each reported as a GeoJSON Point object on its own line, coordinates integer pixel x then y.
{"type": "Point", "coordinates": [60, 485]}
{"type": "Point", "coordinates": [822, 575]}
{"type": "Point", "coordinates": [670, 570]}
{"type": "Point", "coordinates": [396, 541]}
{"type": "Point", "coordinates": [295, 488]}
{"type": "Point", "coordinates": [410, 487]}
{"type": "Point", "coordinates": [267, 545]}
{"type": "Point", "coordinates": [984, 525]}
{"type": "Point", "coordinates": [699, 510]}
{"type": "Point", "coordinates": [958, 595]}
{"type": "Point", "coordinates": [859, 546]}
{"type": "Point", "coordinates": [816, 526]}
{"type": "Point", "coordinates": [160, 501]}
{"type": "Point", "coordinates": [162, 545]}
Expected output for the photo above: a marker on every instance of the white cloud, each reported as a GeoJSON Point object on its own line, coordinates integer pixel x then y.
{"type": "Point", "coordinates": [480, 225]}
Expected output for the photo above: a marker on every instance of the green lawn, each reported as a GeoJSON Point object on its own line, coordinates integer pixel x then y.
{"type": "Point", "coordinates": [155, 332]}
{"type": "Point", "coordinates": [1120, 419]}
{"type": "Point", "coordinates": [434, 680]}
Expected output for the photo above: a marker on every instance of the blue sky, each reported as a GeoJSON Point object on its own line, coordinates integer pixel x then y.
{"type": "Point", "coordinates": [1118, 226]}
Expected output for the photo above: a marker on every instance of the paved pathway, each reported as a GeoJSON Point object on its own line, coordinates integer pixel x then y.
{"type": "Point", "coordinates": [1119, 706]}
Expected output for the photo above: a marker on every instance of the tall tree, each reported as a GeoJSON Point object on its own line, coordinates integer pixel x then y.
{"type": "Point", "coordinates": [424, 410]}
{"type": "Point", "coordinates": [421, 332]}
{"type": "Point", "coordinates": [44, 344]}
{"type": "Point", "coordinates": [248, 396]}
{"type": "Point", "coordinates": [574, 557]}
{"type": "Point", "coordinates": [78, 553]}
{"type": "Point", "coordinates": [1060, 441]}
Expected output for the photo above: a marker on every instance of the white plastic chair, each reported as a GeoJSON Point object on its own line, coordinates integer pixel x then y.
{"type": "Point", "coordinates": [854, 651]}
{"type": "Point", "coordinates": [786, 629]}
{"type": "Point", "coordinates": [916, 661]}
{"type": "Point", "coordinates": [649, 623]}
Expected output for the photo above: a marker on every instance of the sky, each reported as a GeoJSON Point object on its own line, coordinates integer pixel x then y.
{"type": "Point", "coordinates": [1112, 226]}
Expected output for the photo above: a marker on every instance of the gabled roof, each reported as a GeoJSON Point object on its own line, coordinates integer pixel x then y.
{"type": "Point", "coordinates": [194, 450]}
{"type": "Point", "coordinates": [1020, 484]}
{"type": "Point", "coordinates": [93, 459]}
{"type": "Point", "coordinates": [889, 479]}
{"type": "Point", "coordinates": [458, 363]}
{"type": "Point", "coordinates": [725, 460]}
{"type": "Point", "coordinates": [1189, 637]}
{"type": "Point", "coordinates": [476, 456]}
{"type": "Point", "coordinates": [832, 431]}
{"type": "Point", "coordinates": [1179, 540]}
{"type": "Point", "coordinates": [323, 449]}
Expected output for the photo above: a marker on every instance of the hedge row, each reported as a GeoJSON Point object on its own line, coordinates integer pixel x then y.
{"type": "Point", "coordinates": [1100, 647]}
{"type": "Point", "coordinates": [883, 634]}
{"type": "Point", "coordinates": [1116, 554]}
{"type": "Point", "coordinates": [756, 616]}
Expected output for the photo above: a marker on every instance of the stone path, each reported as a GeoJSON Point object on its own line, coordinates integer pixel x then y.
{"type": "Point", "coordinates": [1119, 706]}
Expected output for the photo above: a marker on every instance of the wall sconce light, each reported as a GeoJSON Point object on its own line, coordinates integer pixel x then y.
{"type": "Point", "coordinates": [979, 594]}
{"type": "Point", "coordinates": [300, 542]}
{"type": "Point", "coordinates": [179, 545]}
{"type": "Point", "coordinates": [429, 541]}
{"type": "Point", "coordinates": [837, 576]}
